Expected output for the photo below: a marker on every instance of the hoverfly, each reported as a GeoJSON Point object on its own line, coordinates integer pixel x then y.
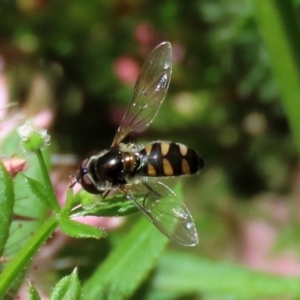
{"type": "Point", "coordinates": [135, 169]}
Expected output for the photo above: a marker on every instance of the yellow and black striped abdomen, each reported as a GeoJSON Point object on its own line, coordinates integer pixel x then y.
{"type": "Point", "coordinates": [161, 159]}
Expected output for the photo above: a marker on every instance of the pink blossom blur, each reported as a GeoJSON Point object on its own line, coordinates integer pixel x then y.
{"type": "Point", "coordinates": [14, 165]}
{"type": "Point", "coordinates": [126, 69]}
{"type": "Point", "coordinates": [144, 33]}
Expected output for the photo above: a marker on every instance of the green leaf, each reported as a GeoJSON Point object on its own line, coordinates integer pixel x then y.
{"type": "Point", "coordinates": [6, 205]}
{"type": "Point", "coordinates": [40, 191]}
{"type": "Point", "coordinates": [126, 267]}
{"type": "Point", "coordinates": [75, 229]}
{"type": "Point", "coordinates": [192, 274]}
{"type": "Point", "coordinates": [117, 205]}
{"type": "Point", "coordinates": [15, 267]}
{"type": "Point", "coordinates": [67, 288]}
{"type": "Point", "coordinates": [113, 207]}
{"type": "Point", "coordinates": [28, 206]}
{"type": "Point", "coordinates": [18, 250]}
{"type": "Point", "coordinates": [32, 293]}
{"type": "Point", "coordinates": [80, 230]}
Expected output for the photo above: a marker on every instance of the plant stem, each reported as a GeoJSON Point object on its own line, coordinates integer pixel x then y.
{"type": "Point", "coordinates": [47, 181]}
{"type": "Point", "coordinates": [278, 23]}
{"type": "Point", "coordinates": [21, 260]}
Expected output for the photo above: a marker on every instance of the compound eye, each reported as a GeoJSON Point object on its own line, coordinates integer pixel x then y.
{"type": "Point", "coordinates": [88, 185]}
{"type": "Point", "coordinates": [84, 178]}
{"type": "Point", "coordinates": [84, 163]}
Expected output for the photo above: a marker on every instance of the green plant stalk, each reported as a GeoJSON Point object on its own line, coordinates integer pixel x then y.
{"type": "Point", "coordinates": [47, 181]}
{"type": "Point", "coordinates": [21, 260]}
{"type": "Point", "coordinates": [278, 24]}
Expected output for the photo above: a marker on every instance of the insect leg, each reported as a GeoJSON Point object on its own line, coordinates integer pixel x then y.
{"type": "Point", "coordinates": [103, 196]}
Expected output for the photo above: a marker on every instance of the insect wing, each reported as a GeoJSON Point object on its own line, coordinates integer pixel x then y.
{"type": "Point", "coordinates": [165, 210]}
{"type": "Point", "coordinates": [149, 92]}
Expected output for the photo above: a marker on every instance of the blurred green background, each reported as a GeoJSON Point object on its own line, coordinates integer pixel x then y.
{"type": "Point", "coordinates": [81, 58]}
